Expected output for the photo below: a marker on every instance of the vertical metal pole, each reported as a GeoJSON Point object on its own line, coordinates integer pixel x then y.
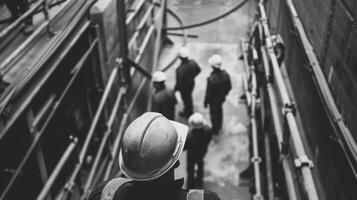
{"type": "Point", "coordinates": [123, 54]}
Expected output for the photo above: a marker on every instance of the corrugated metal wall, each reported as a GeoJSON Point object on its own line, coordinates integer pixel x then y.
{"type": "Point", "coordinates": [332, 174]}
{"type": "Point", "coordinates": [330, 25]}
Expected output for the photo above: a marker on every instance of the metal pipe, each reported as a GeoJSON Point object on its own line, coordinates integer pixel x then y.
{"type": "Point", "coordinates": [140, 26]}
{"type": "Point", "coordinates": [98, 114]}
{"type": "Point", "coordinates": [309, 184]}
{"type": "Point", "coordinates": [135, 12]}
{"type": "Point", "coordinates": [46, 189]}
{"type": "Point", "coordinates": [269, 167]}
{"type": "Point", "coordinates": [123, 38]}
{"type": "Point", "coordinates": [290, 185]}
{"type": "Point", "coordinates": [117, 142]}
{"type": "Point", "coordinates": [139, 68]}
{"type": "Point", "coordinates": [103, 143]}
{"type": "Point", "coordinates": [255, 157]}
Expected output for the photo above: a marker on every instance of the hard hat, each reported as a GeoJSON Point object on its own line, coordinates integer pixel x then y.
{"type": "Point", "coordinates": [184, 52]}
{"type": "Point", "coordinates": [151, 145]}
{"type": "Point", "coordinates": [196, 120]}
{"type": "Point", "coordinates": [159, 76]}
{"type": "Point", "coordinates": [215, 61]}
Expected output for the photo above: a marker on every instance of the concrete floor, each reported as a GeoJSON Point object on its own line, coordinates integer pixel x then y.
{"type": "Point", "coordinates": [230, 155]}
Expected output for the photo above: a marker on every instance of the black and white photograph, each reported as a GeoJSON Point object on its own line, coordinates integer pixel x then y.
{"type": "Point", "coordinates": [178, 100]}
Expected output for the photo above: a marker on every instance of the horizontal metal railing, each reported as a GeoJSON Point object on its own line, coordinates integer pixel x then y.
{"type": "Point", "coordinates": [51, 180]}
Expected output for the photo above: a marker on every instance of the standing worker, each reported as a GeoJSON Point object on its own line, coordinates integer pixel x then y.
{"type": "Point", "coordinates": [218, 86]}
{"type": "Point", "coordinates": [185, 80]}
{"type": "Point", "coordinates": [164, 99]}
{"type": "Point", "coordinates": [197, 142]}
{"type": "Point", "coordinates": [149, 153]}
{"type": "Point", "coordinates": [17, 8]}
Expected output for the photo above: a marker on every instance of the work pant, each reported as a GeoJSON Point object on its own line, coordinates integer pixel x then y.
{"type": "Point", "coordinates": [186, 96]}
{"type": "Point", "coordinates": [17, 8]}
{"type": "Point", "coordinates": [194, 177]}
{"type": "Point", "coordinates": [216, 113]}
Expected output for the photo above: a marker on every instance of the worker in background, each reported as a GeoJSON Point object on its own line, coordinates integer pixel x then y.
{"type": "Point", "coordinates": [218, 86]}
{"type": "Point", "coordinates": [185, 80]}
{"type": "Point", "coordinates": [18, 8]}
{"type": "Point", "coordinates": [149, 153]}
{"type": "Point", "coordinates": [197, 142]}
{"type": "Point", "coordinates": [164, 99]}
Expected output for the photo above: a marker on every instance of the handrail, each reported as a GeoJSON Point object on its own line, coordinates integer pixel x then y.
{"type": "Point", "coordinates": [140, 26]}
{"type": "Point", "coordinates": [46, 189]}
{"type": "Point", "coordinates": [255, 158]}
{"type": "Point", "coordinates": [104, 140]}
{"type": "Point", "coordinates": [305, 163]}
{"type": "Point", "coordinates": [71, 182]}
{"type": "Point", "coordinates": [136, 11]}
{"type": "Point", "coordinates": [277, 125]}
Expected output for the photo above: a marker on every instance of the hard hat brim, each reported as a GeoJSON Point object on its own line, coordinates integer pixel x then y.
{"type": "Point", "coordinates": [182, 131]}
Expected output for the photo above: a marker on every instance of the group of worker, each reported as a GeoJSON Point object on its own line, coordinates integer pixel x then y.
{"type": "Point", "coordinates": [164, 102]}
{"type": "Point", "coordinates": [218, 86]}
{"type": "Point", "coordinates": [152, 143]}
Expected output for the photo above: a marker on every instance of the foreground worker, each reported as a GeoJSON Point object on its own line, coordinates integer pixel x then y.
{"type": "Point", "coordinates": [164, 99]}
{"type": "Point", "coordinates": [218, 86]}
{"type": "Point", "coordinates": [197, 143]}
{"type": "Point", "coordinates": [149, 153]}
{"type": "Point", "coordinates": [185, 80]}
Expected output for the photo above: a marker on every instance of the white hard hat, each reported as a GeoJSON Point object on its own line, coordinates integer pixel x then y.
{"type": "Point", "coordinates": [150, 147]}
{"type": "Point", "coordinates": [215, 61]}
{"type": "Point", "coordinates": [196, 120]}
{"type": "Point", "coordinates": [159, 76]}
{"type": "Point", "coordinates": [184, 52]}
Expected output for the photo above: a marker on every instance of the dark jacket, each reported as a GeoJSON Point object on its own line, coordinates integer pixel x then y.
{"type": "Point", "coordinates": [218, 86]}
{"type": "Point", "coordinates": [150, 190]}
{"type": "Point", "coordinates": [197, 142]}
{"type": "Point", "coordinates": [164, 102]}
{"type": "Point", "coordinates": [185, 75]}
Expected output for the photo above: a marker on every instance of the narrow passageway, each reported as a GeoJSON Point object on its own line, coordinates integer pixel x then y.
{"type": "Point", "coordinates": [230, 155]}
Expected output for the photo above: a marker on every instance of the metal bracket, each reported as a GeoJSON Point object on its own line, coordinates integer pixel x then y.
{"type": "Point", "coordinates": [256, 159]}
{"type": "Point", "coordinates": [303, 160]}
{"type": "Point", "coordinates": [284, 148]}
{"type": "Point", "coordinates": [290, 107]}
{"type": "Point", "coordinates": [258, 197]}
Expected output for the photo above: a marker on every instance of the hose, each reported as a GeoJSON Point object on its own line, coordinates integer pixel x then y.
{"type": "Point", "coordinates": [210, 20]}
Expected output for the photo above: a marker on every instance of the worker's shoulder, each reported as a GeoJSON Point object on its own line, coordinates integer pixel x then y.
{"type": "Point", "coordinates": [208, 195]}
{"type": "Point", "coordinates": [192, 62]}
{"type": "Point", "coordinates": [218, 76]}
